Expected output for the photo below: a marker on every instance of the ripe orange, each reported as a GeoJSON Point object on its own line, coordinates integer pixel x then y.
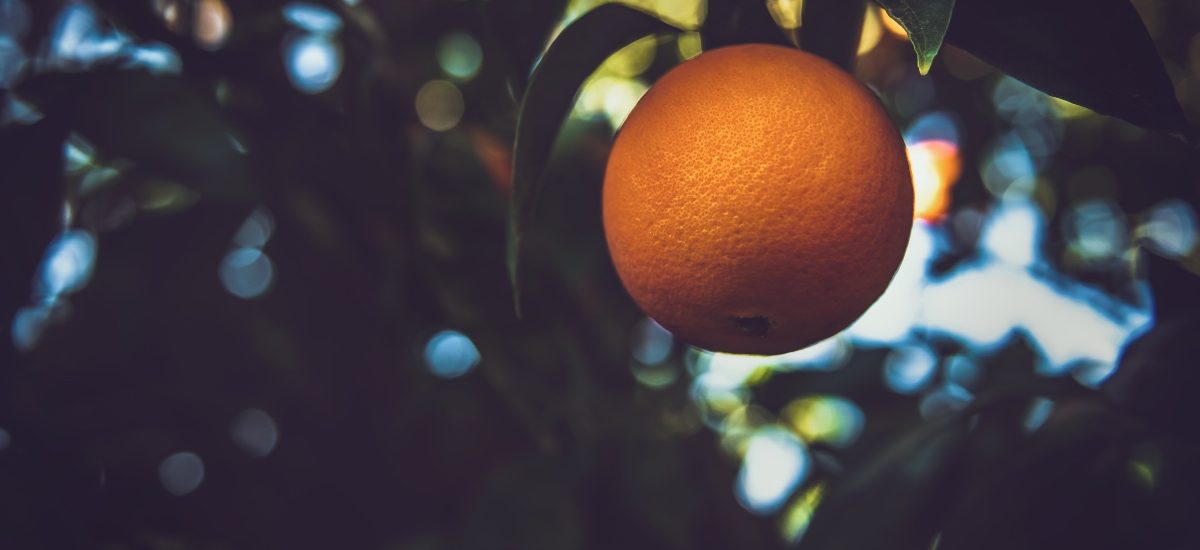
{"type": "Point", "coordinates": [757, 200]}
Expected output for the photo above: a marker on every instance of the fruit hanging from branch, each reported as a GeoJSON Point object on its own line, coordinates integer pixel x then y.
{"type": "Point", "coordinates": [757, 200]}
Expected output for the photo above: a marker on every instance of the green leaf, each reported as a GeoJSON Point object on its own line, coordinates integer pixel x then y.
{"type": "Point", "coordinates": [908, 480]}
{"type": "Point", "coordinates": [160, 123]}
{"type": "Point", "coordinates": [1094, 53]}
{"type": "Point", "coordinates": [570, 59]}
{"type": "Point", "coordinates": [926, 22]}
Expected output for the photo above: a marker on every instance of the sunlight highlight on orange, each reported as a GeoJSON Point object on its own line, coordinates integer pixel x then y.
{"type": "Point", "coordinates": [935, 169]}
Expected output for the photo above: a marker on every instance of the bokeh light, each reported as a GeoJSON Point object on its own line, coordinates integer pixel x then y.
{"type": "Point", "coordinates": [962, 370]}
{"type": "Point", "coordinates": [247, 273]}
{"type": "Point", "coordinates": [650, 343]}
{"type": "Point", "coordinates": [826, 355]}
{"type": "Point", "coordinates": [12, 60]}
{"type": "Point", "coordinates": [75, 25]}
{"type": "Point", "coordinates": [169, 10]}
{"type": "Point", "coordinates": [825, 419]}
{"type": "Point", "coordinates": [79, 38]}
{"type": "Point", "coordinates": [1144, 474]}
{"type": "Point", "coordinates": [1037, 414]}
{"type": "Point", "coordinates": [77, 153]}
{"type": "Point", "coordinates": [313, 61]}
{"type": "Point", "coordinates": [181, 473]}
{"type": "Point", "coordinates": [727, 370]}
{"type": "Point", "coordinates": [934, 126]}
{"type": "Point", "coordinates": [450, 354]}
{"type": "Point", "coordinates": [67, 265]}
{"type": "Point", "coordinates": [1018, 103]}
{"type": "Point", "coordinates": [459, 55]}
{"type": "Point", "coordinates": [256, 230]}
{"type": "Point", "coordinates": [935, 168]}
{"type": "Point", "coordinates": [1093, 373]}
{"type": "Point", "coordinates": [29, 323]}
{"type": "Point", "coordinates": [946, 399]}
{"type": "Point", "coordinates": [1100, 325]}
{"type": "Point", "coordinates": [155, 57]}
{"type": "Point", "coordinates": [717, 401]}
{"type": "Point", "coordinates": [774, 464]}
{"type": "Point", "coordinates": [799, 513]}
{"type": "Point", "coordinates": [15, 111]}
{"type": "Point", "coordinates": [1008, 165]}
{"type": "Point", "coordinates": [1095, 229]}
{"type": "Point", "coordinates": [5, 439]}
{"type": "Point", "coordinates": [654, 376]}
{"type": "Point", "coordinates": [213, 23]}
{"type": "Point", "coordinates": [439, 105]}
{"type": "Point", "coordinates": [255, 432]}
{"type": "Point", "coordinates": [739, 426]}
{"type": "Point", "coordinates": [1169, 229]}
{"type": "Point", "coordinates": [978, 306]}
{"type": "Point", "coordinates": [908, 369]}
{"type": "Point", "coordinates": [312, 18]}
{"type": "Point", "coordinates": [1013, 233]}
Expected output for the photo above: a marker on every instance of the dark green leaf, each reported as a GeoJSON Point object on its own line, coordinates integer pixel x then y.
{"type": "Point", "coordinates": [158, 123]}
{"type": "Point", "coordinates": [925, 21]}
{"type": "Point", "coordinates": [574, 55]}
{"type": "Point", "coordinates": [1157, 377]}
{"type": "Point", "coordinates": [1095, 53]}
{"type": "Point", "coordinates": [1067, 485]}
{"type": "Point", "coordinates": [909, 478]}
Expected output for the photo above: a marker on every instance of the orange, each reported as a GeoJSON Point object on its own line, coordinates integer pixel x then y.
{"type": "Point", "coordinates": [757, 200]}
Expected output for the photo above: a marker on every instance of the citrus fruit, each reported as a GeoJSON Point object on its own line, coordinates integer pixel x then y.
{"type": "Point", "coordinates": [757, 200]}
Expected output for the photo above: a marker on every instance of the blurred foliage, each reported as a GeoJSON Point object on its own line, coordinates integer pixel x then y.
{"type": "Point", "coordinates": [577, 52]}
{"type": "Point", "coordinates": [376, 233]}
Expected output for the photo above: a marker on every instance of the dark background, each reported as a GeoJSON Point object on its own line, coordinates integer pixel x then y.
{"type": "Point", "coordinates": [229, 270]}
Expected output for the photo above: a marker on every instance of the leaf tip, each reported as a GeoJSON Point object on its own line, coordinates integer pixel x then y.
{"type": "Point", "coordinates": [925, 57]}
{"type": "Point", "coordinates": [924, 63]}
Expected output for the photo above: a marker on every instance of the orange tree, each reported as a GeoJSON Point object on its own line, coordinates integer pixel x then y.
{"type": "Point", "coordinates": [255, 288]}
